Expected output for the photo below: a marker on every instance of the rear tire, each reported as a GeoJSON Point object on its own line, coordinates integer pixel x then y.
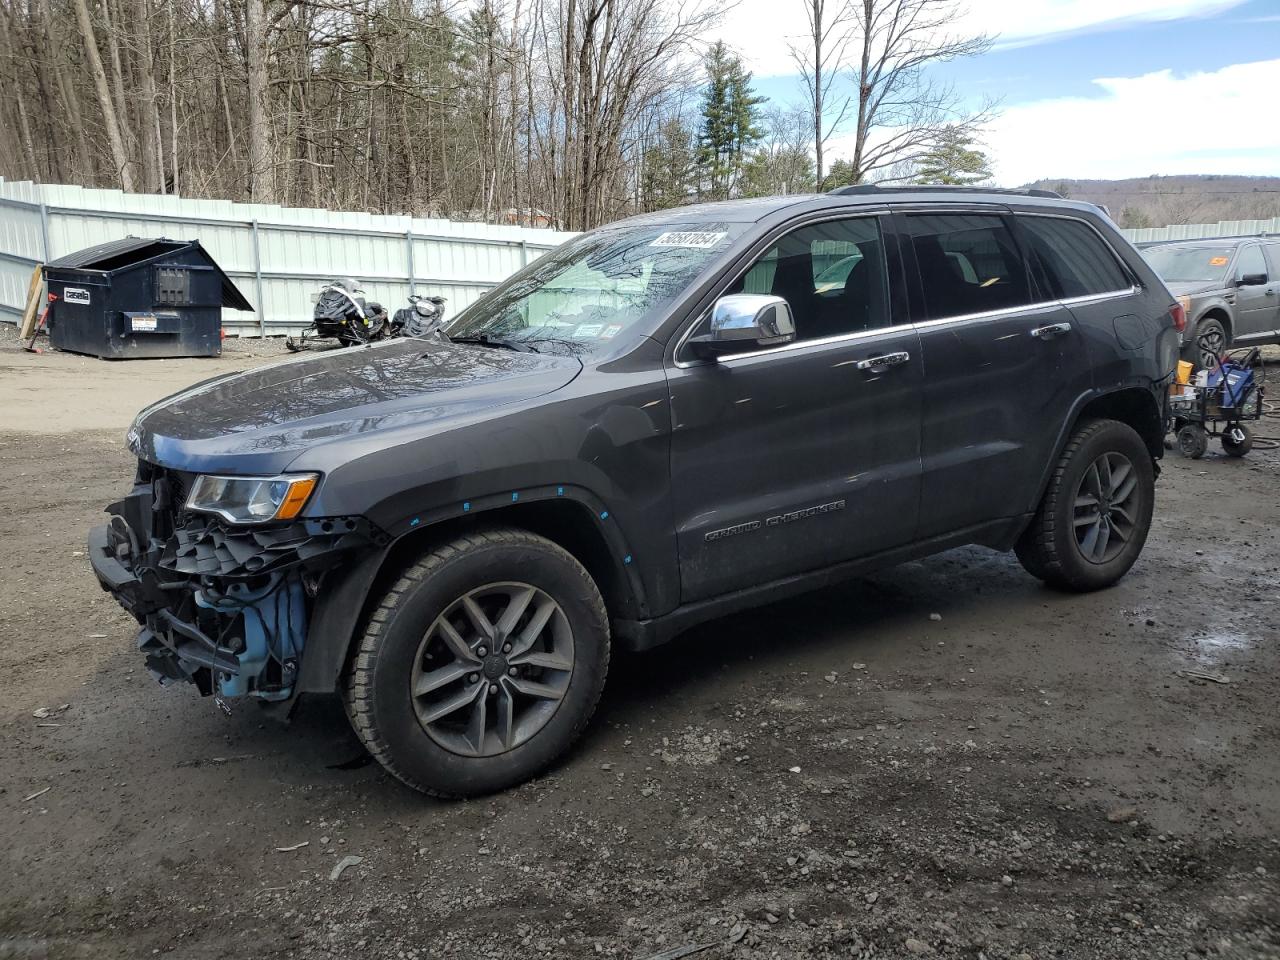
{"type": "Point", "coordinates": [438, 635]}
{"type": "Point", "coordinates": [1095, 515]}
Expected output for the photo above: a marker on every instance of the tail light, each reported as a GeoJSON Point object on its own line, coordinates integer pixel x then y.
{"type": "Point", "coordinates": [1179, 313]}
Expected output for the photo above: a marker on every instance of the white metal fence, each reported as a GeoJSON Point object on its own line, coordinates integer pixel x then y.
{"type": "Point", "coordinates": [1194, 231]}
{"type": "Point", "coordinates": [277, 256]}
{"type": "Point", "coordinates": [280, 256]}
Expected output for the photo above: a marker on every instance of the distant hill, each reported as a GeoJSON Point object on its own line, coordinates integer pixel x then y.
{"type": "Point", "coordinates": [1159, 201]}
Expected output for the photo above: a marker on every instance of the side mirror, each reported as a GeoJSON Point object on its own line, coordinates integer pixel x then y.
{"type": "Point", "coordinates": [1252, 280]}
{"type": "Point", "coordinates": [742, 322]}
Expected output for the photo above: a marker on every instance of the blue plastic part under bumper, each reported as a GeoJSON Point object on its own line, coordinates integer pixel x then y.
{"type": "Point", "coordinates": [274, 626]}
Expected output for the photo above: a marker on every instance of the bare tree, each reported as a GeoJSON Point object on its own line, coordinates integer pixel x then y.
{"type": "Point", "coordinates": [511, 110]}
{"type": "Point", "coordinates": [902, 113]}
{"type": "Point", "coordinates": [819, 60]}
{"type": "Point", "coordinates": [617, 60]}
{"type": "Point", "coordinates": [781, 162]}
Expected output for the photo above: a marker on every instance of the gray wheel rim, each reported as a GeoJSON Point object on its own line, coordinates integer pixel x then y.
{"type": "Point", "coordinates": [1106, 507]}
{"type": "Point", "coordinates": [1211, 343]}
{"type": "Point", "coordinates": [492, 669]}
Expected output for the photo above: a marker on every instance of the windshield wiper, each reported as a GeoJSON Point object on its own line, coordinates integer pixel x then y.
{"type": "Point", "coordinates": [488, 340]}
{"type": "Point", "coordinates": [574, 347]}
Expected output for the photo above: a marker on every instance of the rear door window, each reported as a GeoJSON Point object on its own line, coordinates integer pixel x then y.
{"type": "Point", "coordinates": [968, 263]}
{"type": "Point", "coordinates": [1074, 261]}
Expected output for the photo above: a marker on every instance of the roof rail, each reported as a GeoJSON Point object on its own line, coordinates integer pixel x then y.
{"type": "Point", "coordinates": [872, 188]}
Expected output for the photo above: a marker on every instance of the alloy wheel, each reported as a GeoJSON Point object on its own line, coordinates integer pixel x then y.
{"type": "Point", "coordinates": [492, 669]}
{"type": "Point", "coordinates": [1211, 344]}
{"type": "Point", "coordinates": [1106, 507]}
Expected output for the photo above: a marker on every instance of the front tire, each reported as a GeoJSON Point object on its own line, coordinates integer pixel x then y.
{"type": "Point", "coordinates": [1193, 441]}
{"type": "Point", "coordinates": [1095, 515]}
{"type": "Point", "coordinates": [481, 665]}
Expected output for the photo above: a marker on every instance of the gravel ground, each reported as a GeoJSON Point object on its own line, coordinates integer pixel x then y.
{"type": "Point", "coordinates": [945, 759]}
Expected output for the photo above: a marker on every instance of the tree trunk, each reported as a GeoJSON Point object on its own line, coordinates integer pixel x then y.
{"type": "Point", "coordinates": [865, 90]}
{"type": "Point", "coordinates": [119, 158]}
{"type": "Point", "coordinates": [148, 112]}
{"type": "Point", "coordinates": [262, 181]}
{"type": "Point", "coordinates": [117, 86]}
{"type": "Point", "coordinates": [174, 183]}
{"type": "Point", "coordinates": [817, 91]}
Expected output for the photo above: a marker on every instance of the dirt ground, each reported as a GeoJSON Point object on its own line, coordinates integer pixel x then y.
{"type": "Point", "coordinates": [55, 392]}
{"type": "Point", "coordinates": [1026, 774]}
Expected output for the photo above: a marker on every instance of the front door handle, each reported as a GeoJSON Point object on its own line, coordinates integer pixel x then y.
{"type": "Point", "coordinates": [1051, 330]}
{"type": "Point", "coordinates": [884, 361]}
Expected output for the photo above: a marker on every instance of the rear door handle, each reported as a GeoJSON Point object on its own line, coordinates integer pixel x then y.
{"type": "Point", "coordinates": [1051, 330]}
{"type": "Point", "coordinates": [884, 361]}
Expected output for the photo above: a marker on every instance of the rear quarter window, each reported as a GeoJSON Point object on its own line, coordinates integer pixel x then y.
{"type": "Point", "coordinates": [1073, 260]}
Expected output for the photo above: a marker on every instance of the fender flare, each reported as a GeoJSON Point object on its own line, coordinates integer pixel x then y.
{"type": "Point", "coordinates": [1069, 424]}
{"type": "Point", "coordinates": [1226, 316]}
{"type": "Point", "coordinates": [342, 603]}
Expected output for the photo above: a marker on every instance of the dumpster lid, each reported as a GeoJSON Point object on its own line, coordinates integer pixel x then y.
{"type": "Point", "coordinates": [117, 253]}
{"type": "Point", "coordinates": [131, 251]}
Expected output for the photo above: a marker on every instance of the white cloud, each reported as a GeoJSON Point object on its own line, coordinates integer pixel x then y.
{"type": "Point", "coordinates": [760, 29]}
{"type": "Point", "coordinates": [1028, 21]}
{"type": "Point", "coordinates": [1158, 123]}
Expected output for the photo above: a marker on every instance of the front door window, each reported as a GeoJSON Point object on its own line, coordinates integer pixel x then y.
{"type": "Point", "coordinates": [831, 274]}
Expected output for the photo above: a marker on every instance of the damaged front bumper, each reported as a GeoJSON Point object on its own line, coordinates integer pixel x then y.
{"type": "Point", "coordinates": [225, 607]}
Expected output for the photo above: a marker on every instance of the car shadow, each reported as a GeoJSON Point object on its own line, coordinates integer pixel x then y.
{"type": "Point", "coordinates": [826, 629]}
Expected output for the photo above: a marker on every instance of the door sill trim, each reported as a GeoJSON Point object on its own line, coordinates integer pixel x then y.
{"type": "Point", "coordinates": [639, 635]}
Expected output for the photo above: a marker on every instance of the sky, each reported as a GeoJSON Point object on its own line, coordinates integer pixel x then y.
{"type": "Point", "coordinates": [1088, 88]}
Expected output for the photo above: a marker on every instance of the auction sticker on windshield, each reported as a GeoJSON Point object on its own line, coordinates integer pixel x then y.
{"type": "Point", "coordinates": [697, 239]}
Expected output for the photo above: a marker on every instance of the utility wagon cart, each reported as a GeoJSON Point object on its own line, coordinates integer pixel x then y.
{"type": "Point", "coordinates": [1231, 395]}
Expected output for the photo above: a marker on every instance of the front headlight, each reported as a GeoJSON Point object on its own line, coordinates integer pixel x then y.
{"type": "Point", "coordinates": [252, 499]}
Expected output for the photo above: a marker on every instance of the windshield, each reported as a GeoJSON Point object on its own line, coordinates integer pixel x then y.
{"type": "Point", "coordinates": [1174, 263]}
{"type": "Point", "coordinates": [596, 287]}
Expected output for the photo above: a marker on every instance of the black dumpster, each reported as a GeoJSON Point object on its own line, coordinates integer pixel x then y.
{"type": "Point", "coordinates": [139, 297]}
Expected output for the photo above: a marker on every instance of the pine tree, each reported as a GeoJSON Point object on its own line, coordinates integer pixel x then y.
{"type": "Point", "coordinates": [841, 174]}
{"type": "Point", "coordinates": [954, 160]}
{"type": "Point", "coordinates": [730, 122]}
{"type": "Point", "coordinates": [668, 175]}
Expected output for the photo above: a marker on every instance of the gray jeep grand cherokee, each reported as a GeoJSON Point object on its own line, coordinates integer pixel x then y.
{"type": "Point", "coordinates": [667, 419]}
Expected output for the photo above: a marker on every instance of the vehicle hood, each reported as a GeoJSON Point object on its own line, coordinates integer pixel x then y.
{"type": "Point", "coordinates": [261, 419]}
{"type": "Point", "coordinates": [1189, 288]}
